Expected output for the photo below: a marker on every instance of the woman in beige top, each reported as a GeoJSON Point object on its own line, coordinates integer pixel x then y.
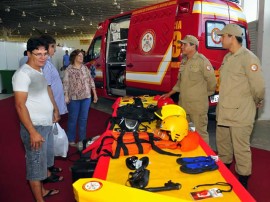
{"type": "Point", "coordinates": [77, 88]}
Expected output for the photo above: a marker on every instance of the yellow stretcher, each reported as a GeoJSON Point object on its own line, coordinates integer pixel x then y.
{"type": "Point", "coordinates": [97, 190]}
{"type": "Point", "coordinates": [111, 176]}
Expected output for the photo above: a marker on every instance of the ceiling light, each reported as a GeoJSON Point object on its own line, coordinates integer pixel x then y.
{"type": "Point", "coordinates": [74, 30]}
{"type": "Point", "coordinates": [19, 25]}
{"type": "Point", "coordinates": [18, 32]}
{"type": "Point", "coordinates": [54, 24]}
{"type": "Point", "coordinates": [49, 22]}
{"type": "Point", "coordinates": [114, 3]}
{"type": "Point", "coordinates": [91, 23]}
{"type": "Point", "coordinates": [82, 18]}
{"type": "Point", "coordinates": [30, 33]}
{"type": "Point", "coordinates": [65, 27]}
{"type": "Point", "coordinates": [23, 14]}
{"type": "Point", "coordinates": [40, 19]}
{"type": "Point", "coordinates": [46, 31]}
{"type": "Point", "coordinates": [54, 3]}
{"type": "Point", "coordinates": [55, 33]}
{"type": "Point", "coordinates": [72, 13]}
{"type": "Point", "coordinates": [81, 32]}
{"type": "Point", "coordinates": [118, 6]}
{"type": "Point", "coordinates": [7, 9]}
{"type": "Point", "coordinates": [33, 28]}
{"type": "Point", "coordinates": [121, 11]}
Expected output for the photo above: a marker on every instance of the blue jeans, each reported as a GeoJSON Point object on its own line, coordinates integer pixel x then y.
{"type": "Point", "coordinates": [77, 112]}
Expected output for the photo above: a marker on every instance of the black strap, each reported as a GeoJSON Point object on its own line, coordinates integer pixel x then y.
{"type": "Point", "coordinates": [102, 143]}
{"type": "Point", "coordinates": [123, 146]}
{"type": "Point", "coordinates": [217, 183]}
{"type": "Point", "coordinates": [157, 149]}
{"type": "Point", "coordinates": [138, 142]}
{"type": "Point", "coordinates": [120, 145]}
{"type": "Point", "coordinates": [113, 121]}
{"type": "Point", "coordinates": [100, 148]}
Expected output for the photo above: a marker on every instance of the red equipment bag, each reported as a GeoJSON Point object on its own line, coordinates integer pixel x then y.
{"type": "Point", "coordinates": [131, 143]}
{"type": "Point", "coordinates": [115, 144]}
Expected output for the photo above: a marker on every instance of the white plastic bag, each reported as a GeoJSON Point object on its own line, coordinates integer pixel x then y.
{"type": "Point", "coordinates": [60, 141]}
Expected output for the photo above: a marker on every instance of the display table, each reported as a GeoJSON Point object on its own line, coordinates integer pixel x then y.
{"type": "Point", "coordinates": [112, 175]}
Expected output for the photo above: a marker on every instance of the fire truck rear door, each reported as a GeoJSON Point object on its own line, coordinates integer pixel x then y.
{"type": "Point", "coordinates": [149, 46]}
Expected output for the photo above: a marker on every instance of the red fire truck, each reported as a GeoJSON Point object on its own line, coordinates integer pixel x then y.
{"type": "Point", "coordinates": [137, 52]}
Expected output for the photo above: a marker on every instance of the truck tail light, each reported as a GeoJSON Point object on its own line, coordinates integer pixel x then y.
{"type": "Point", "coordinates": [184, 7]}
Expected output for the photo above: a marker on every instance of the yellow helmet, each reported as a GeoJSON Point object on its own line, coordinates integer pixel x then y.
{"type": "Point", "coordinates": [177, 126]}
{"type": "Point", "coordinates": [170, 110]}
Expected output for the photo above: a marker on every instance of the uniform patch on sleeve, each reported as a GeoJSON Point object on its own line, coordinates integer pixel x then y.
{"type": "Point", "coordinates": [208, 68]}
{"type": "Point", "coordinates": [254, 68]}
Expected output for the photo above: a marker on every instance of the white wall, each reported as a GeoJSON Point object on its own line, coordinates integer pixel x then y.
{"type": "Point", "coordinates": [57, 59]}
{"type": "Point", "coordinates": [10, 54]}
{"type": "Point", "coordinates": [263, 51]}
{"type": "Point", "coordinates": [75, 44]}
{"type": "Point", "coordinates": [250, 8]}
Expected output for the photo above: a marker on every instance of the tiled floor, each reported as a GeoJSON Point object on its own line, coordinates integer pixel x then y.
{"type": "Point", "coordinates": [260, 136]}
{"type": "Point", "coordinates": [4, 96]}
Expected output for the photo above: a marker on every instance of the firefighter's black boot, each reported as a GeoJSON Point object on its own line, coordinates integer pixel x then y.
{"type": "Point", "coordinates": [243, 180]}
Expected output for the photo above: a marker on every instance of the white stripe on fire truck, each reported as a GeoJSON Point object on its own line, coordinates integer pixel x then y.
{"type": "Point", "coordinates": [207, 8]}
{"type": "Point", "coordinates": [152, 77]}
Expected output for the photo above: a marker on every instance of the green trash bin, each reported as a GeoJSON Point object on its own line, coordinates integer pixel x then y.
{"type": "Point", "coordinates": [6, 76]}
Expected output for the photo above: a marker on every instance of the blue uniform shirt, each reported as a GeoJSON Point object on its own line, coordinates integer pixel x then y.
{"type": "Point", "coordinates": [66, 60]}
{"type": "Point", "coordinates": [53, 79]}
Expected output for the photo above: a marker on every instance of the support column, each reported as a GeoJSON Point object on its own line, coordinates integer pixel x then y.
{"type": "Point", "coordinates": [263, 50]}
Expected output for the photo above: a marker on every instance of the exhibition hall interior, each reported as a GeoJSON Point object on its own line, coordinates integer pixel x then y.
{"type": "Point", "coordinates": [127, 123]}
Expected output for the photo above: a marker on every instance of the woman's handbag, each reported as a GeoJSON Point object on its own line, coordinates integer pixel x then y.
{"type": "Point", "coordinates": [60, 141]}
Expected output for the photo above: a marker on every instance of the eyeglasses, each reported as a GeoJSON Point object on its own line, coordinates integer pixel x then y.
{"type": "Point", "coordinates": [52, 45]}
{"type": "Point", "coordinates": [39, 55]}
